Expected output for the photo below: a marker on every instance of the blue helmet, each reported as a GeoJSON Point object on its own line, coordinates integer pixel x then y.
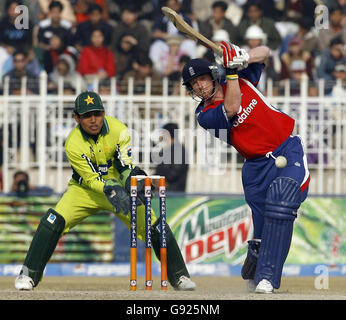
{"type": "Point", "coordinates": [197, 67]}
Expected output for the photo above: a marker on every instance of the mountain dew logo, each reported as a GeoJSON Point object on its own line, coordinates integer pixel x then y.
{"type": "Point", "coordinates": [213, 232]}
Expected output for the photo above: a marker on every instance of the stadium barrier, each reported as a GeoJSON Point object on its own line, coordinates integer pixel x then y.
{"type": "Point", "coordinates": [34, 128]}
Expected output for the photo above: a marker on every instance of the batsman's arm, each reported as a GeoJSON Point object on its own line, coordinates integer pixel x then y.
{"type": "Point", "coordinates": [259, 54]}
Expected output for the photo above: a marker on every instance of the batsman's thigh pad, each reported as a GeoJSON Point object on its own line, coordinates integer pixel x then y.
{"type": "Point", "coordinates": [282, 202]}
{"type": "Point", "coordinates": [43, 244]}
{"type": "Point", "coordinates": [175, 262]}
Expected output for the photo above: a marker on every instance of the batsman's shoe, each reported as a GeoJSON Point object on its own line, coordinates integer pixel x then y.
{"type": "Point", "coordinates": [24, 282]}
{"type": "Point", "coordinates": [251, 286]}
{"type": "Point", "coordinates": [185, 284]}
{"type": "Point", "coordinates": [264, 286]}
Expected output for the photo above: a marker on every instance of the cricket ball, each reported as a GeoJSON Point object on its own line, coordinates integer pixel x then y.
{"type": "Point", "coordinates": [281, 162]}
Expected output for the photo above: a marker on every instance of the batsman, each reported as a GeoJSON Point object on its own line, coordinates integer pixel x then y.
{"type": "Point", "coordinates": [99, 152]}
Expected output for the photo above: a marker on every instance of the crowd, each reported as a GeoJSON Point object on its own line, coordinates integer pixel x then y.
{"type": "Point", "coordinates": [90, 39]}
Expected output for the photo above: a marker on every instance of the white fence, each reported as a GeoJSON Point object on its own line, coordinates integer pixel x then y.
{"type": "Point", "coordinates": [34, 128]}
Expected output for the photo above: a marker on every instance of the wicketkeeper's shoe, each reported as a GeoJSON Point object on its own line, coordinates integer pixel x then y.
{"type": "Point", "coordinates": [251, 286]}
{"type": "Point", "coordinates": [24, 282]}
{"type": "Point", "coordinates": [264, 286]}
{"type": "Point", "coordinates": [185, 284]}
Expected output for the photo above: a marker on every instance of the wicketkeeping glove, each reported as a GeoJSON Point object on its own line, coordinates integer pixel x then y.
{"type": "Point", "coordinates": [117, 196]}
{"type": "Point", "coordinates": [125, 178]}
{"type": "Point", "coordinates": [234, 58]}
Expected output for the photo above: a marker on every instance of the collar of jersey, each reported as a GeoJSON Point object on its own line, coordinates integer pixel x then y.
{"type": "Point", "coordinates": [104, 130]}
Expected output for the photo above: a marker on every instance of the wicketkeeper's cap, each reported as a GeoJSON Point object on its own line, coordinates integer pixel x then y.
{"type": "Point", "coordinates": [88, 101]}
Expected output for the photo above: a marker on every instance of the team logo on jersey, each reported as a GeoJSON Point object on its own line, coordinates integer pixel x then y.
{"type": "Point", "coordinates": [243, 113]}
{"type": "Point", "coordinates": [129, 152]}
{"type": "Point", "coordinates": [103, 168]}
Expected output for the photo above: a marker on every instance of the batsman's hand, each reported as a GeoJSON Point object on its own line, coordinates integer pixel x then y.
{"type": "Point", "coordinates": [117, 196]}
{"type": "Point", "coordinates": [234, 58]}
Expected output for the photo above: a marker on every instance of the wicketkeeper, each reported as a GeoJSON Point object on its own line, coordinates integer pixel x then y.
{"type": "Point", "coordinates": [99, 151]}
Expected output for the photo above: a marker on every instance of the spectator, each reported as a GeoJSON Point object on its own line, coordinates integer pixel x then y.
{"type": "Point", "coordinates": [129, 24]}
{"type": "Point", "coordinates": [66, 14]}
{"type": "Point", "coordinates": [298, 58]}
{"type": "Point", "coordinates": [53, 24]}
{"type": "Point", "coordinates": [254, 16]}
{"type": "Point", "coordinates": [172, 159]}
{"type": "Point", "coordinates": [329, 59]}
{"type": "Point", "coordinates": [4, 57]}
{"type": "Point", "coordinates": [208, 54]}
{"type": "Point", "coordinates": [218, 21]}
{"type": "Point", "coordinates": [294, 10]}
{"type": "Point", "coordinates": [255, 37]}
{"type": "Point", "coordinates": [175, 78]}
{"type": "Point", "coordinates": [18, 72]}
{"type": "Point", "coordinates": [305, 34]}
{"type": "Point", "coordinates": [57, 45]}
{"type": "Point", "coordinates": [142, 69]}
{"type": "Point", "coordinates": [11, 37]}
{"type": "Point", "coordinates": [144, 8]}
{"type": "Point", "coordinates": [84, 29]}
{"type": "Point", "coordinates": [65, 68]}
{"type": "Point", "coordinates": [339, 74]}
{"type": "Point", "coordinates": [21, 186]}
{"type": "Point", "coordinates": [81, 8]}
{"type": "Point", "coordinates": [163, 28]}
{"type": "Point", "coordinates": [168, 60]}
{"type": "Point", "coordinates": [96, 60]}
{"type": "Point", "coordinates": [336, 28]}
{"type": "Point", "coordinates": [125, 52]}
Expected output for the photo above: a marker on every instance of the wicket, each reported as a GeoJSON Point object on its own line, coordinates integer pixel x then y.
{"type": "Point", "coordinates": [133, 231]}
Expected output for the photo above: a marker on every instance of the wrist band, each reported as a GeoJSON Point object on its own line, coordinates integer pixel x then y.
{"type": "Point", "coordinates": [232, 77]}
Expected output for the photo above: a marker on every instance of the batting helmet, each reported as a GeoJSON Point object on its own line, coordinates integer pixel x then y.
{"type": "Point", "coordinates": [197, 67]}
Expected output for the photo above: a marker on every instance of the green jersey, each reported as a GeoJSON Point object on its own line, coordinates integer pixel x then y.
{"type": "Point", "coordinates": [93, 161]}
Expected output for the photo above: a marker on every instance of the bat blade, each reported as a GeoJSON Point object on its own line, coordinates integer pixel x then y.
{"type": "Point", "coordinates": [188, 31]}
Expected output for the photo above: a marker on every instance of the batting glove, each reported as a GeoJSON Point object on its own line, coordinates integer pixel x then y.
{"type": "Point", "coordinates": [234, 58]}
{"type": "Point", "coordinates": [117, 196]}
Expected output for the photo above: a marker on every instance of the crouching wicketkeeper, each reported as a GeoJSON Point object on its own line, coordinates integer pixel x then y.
{"type": "Point", "coordinates": [99, 151]}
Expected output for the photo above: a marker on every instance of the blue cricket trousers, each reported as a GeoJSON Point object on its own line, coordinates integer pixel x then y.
{"type": "Point", "coordinates": [258, 174]}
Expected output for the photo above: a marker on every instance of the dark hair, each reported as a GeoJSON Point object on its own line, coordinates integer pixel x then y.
{"type": "Point", "coordinates": [10, 2]}
{"type": "Point", "coordinates": [20, 172]}
{"type": "Point", "coordinates": [143, 60]}
{"type": "Point", "coordinates": [98, 29]}
{"type": "Point", "coordinates": [335, 41]}
{"type": "Point", "coordinates": [220, 4]}
{"type": "Point", "coordinates": [94, 7]}
{"type": "Point", "coordinates": [334, 8]}
{"type": "Point", "coordinates": [20, 52]}
{"type": "Point", "coordinates": [170, 127]}
{"type": "Point", "coordinates": [255, 3]}
{"type": "Point", "coordinates": [130, 7]}
{"type": "Point", "coordinates": [56, 4]}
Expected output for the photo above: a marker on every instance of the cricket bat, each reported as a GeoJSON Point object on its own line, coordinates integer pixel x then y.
{"type": "Point", "coordinates": [191, 33]}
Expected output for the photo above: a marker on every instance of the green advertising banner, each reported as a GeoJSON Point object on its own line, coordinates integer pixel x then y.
{"type": "Point", "coordinates": [212, 229]}
{"type": "Point", "coordinates": [209, 229]}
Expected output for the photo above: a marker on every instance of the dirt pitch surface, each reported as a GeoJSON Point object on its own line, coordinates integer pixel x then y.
{"type": "Point", "coordinates": [208, 288]}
